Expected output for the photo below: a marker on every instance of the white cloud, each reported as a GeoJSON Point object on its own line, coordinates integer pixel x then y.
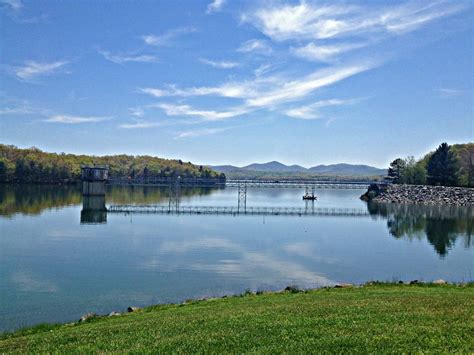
{"type": "Point", "coordinates": [207, 115]}
{"type": "Point", "coordinates": [449, 93]}
{"type": "Point", "coordinates": [200, 132]}
{"type": "Point", "coordinates": [215, 6]}
{"type": "Point", "coordinates": [14, 106]}
{"type": "Point", "coordinates": [167, 37]}
{"type": "Point", "coordinates": [121, 59]}
{"type": "Point", "coordinates": [297, 89]}
{"type": "Point", "coordinates": [20, 110]}
{"type": "Point", "coordinates": [33, 69]}
{"type": "Point", "coordinates": [311, 112]}
{"type": "Point", "coordinates": [323, 53]}
{"type": "Point", "coordinates": [69, 119]}
{"type": "Point", "coordinates": [255, 46]}
{"type": "Point", "coordinates": [256, 94]}
{"type": "Point", "coordinates": [15, 5]}
{"type": "Point", "coordinates": [140, 124]}
{"type": "Point", "coordinates": [136, 111]}
{"type": "Point", "coordinates": [219, 64]}
{"type": "Point", "coordinates": [315, 21]}
{"type": "Point", "coordinates": [231, 90]}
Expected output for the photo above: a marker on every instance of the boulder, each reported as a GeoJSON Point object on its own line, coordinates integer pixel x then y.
{"type": "Point", "coordinates": [87, 317]}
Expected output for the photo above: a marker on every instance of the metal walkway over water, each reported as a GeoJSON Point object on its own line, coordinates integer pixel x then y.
{"type": "Point", "coordinates": [192, 182]}
{"type": "Point", "coordinates": [236, 211]}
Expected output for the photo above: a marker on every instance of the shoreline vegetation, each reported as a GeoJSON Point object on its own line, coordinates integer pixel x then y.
{"type": "Point", "coordinates": [35, 166]}
{"type": "Point", "coordinates": [374, 317]}
{"type": "Point", "coordinates": [448, 165]}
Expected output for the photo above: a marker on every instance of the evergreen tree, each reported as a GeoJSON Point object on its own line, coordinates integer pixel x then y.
{"type": "Point", "coordinates": [442, 168]}
{"type": "Point", "coordinates": [396, 169]}
{"type": "Point", "coordinates": [470, 174]}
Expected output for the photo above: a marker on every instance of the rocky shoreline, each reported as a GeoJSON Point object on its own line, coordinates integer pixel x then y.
{"type": "Point", "coordinates": [420, 194]}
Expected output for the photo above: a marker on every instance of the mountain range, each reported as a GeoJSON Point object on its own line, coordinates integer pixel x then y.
{"type": "Point", "coordinates": [277, 167]}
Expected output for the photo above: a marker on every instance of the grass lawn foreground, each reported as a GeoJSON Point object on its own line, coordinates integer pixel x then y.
{"type": "Point", "coordinates": [373, 318]}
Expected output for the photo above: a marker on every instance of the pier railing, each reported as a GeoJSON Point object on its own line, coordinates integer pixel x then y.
{"type": "Point", "coordinates": [232, 210]}
{"type": "Point", "coordinates": [203, 182]}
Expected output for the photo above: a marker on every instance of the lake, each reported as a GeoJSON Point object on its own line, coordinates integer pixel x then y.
{"type": "Point", "coordinates": [53, 268]}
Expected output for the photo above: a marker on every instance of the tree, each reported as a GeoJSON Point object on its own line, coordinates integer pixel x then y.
{"type": "Point", "coordinates": [470, 175]}
{"type": "Point", "coordinates": [414, 172]}
{"type": "Point", "coordinates": [396, 170]}
{"type": "Point", "coordinates": [442, 168]}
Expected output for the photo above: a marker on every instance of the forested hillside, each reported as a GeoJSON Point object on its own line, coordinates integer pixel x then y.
{"type": "Point", "coordinates": [447, 165]}
{"type": "Point", "coordinates": [34, 166]}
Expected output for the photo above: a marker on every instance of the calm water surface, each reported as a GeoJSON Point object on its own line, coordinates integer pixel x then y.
{"type": "Point", "coordinates": [54, 269]}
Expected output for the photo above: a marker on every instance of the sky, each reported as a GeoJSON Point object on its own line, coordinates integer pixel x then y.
{"type": "Point", "coordinates": [238, 82]}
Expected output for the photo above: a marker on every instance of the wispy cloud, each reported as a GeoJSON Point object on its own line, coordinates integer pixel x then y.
{"type": "Point", "coordinates": [31, 69]}
{"type": "Point", "coordinates": [219, 64]}
{"type": "Point", "coordinates": [121, 59]}
{"type": "Point", "coordinates": [315, 21]}
{"type": "Point", "coordinates": [257, 46]}
{"type": "Point", "coordinates": [323, 53]}
{"type": "Point", "coordinates": [267, 93]}
{"type": "Point", "coordinates": [206, 115]}
{"type": "Point", "coordinates": [69, 119]}
{"type": "Point", "coordinates": [312, 111]}
{"type": "Point", "coordinates": [19, 110]}
{"type": "Point", "coordinates": [140, 124]}
{"type": "Point", "coordinates": [200, 132]}
{"type": "Point", "coordinates": [215, 6]}
{"type": "Point", "coordinates": [136, 111]}
{"type": "Point", "coordinates": [167, 37]}
{"type": "Point", "coordinates": [231, 90]}
{"type": "Point", "coordinates": [14, 106]}
{"type": "Point", "coordinates": [14, 5]}
{"type": "Point", "coordinates": [297, 89]}
{"type": "Point", "coordinates": [449, 93]}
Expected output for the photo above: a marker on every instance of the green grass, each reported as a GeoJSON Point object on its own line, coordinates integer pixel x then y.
{"type": "Point", "coordinates": [374, 318]}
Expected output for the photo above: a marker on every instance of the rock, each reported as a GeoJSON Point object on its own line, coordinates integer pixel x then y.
{"type": "Point", "coordinates": [113, 314]}
{"type": "Point", "coordinates": [395, 193]}
{"type": "Point", "coordinates": [87, 317]}
{"type": "Point", "coordinates": [439, 282]}
{"type": "Point", "coordinates": [133, 309]}
{"type": "Point", "coordinates": [344, 285]}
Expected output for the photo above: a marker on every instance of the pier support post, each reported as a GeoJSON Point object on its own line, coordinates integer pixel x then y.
{"type": "Point", "coordinates": [242, 202]}
{"type": "Point", "coordinates": [175, 195]}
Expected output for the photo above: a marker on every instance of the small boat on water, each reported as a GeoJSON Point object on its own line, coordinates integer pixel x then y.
{"type": "Point", "coordinates": [309, 195]}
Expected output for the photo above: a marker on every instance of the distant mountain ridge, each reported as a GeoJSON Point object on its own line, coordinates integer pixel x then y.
{"type": "Point", "coordinates": [341, 169]}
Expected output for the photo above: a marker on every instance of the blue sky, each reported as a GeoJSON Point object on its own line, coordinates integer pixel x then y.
{"type": "Point", "coordinates": [236, 82]}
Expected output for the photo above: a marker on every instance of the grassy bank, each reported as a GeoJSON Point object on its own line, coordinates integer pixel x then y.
{"type": "Point", "coordinates": [375, 318]}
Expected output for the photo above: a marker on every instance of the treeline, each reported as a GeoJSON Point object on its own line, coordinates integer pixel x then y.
{"type": "Point", "coordinates": [447, 166]}
{"type": "Point", "coordinates": [35, 166]}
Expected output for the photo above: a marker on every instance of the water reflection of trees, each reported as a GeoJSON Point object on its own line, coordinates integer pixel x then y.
{"type": "Point", "coordinates": [33, 199]}
{"type": "Point", "coordinates": [151, 194]}
{"type": "Point", "coordinates": [441, 225]}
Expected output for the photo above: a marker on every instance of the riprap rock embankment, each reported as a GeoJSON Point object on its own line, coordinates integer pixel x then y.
{"type": "Point", "coordinates": [420, 194]}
